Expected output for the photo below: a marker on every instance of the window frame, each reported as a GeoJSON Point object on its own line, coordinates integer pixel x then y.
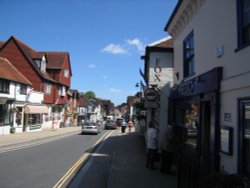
{"type": "Point", "coordinates": [4, 86]}
{"type": "Point", "coordinates": [48, 88]}
{"type": "Point", "coordinates": [240, 26]}
{"type": "Point", "coordinates": [66, 73]}
{"type": "Point", "coordinates": [188, 56]}
{"type": "Point", "coordinates": [23, 89]}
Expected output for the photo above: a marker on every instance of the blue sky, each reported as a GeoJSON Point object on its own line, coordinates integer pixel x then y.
{"type": "Point", "coordinates": [105, 38]}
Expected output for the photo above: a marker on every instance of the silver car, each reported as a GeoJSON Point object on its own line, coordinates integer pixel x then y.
{"type": "Point", "coordinates": [90, 128]}
{"type": "Point", "coordinates": [110, 124]}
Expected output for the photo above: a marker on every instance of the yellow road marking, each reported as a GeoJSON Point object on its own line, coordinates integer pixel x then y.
{"type": "Point", "coordinates": [81, 161]}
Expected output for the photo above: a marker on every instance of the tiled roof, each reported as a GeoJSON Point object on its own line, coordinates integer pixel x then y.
{"type": "Point", "coordinates": [1, 43]}
{"type": "Point", "coordinates": [32, 54]}
{"type": "Point", "coordinates": [56, 59]}
{"type": "Point", "coordinates": [9, 72]}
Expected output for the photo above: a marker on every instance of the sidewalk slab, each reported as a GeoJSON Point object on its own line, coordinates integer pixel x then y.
{"type": "Point", "coordinates": [128, 165]}
{"type": "Point", "coordinates": [17, 138]}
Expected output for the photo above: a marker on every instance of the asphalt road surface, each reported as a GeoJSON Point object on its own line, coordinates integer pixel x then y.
{"type": "Point", "coordinates": [43, 165]}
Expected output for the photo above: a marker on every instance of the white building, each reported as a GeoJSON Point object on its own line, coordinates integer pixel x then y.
{"type": "Point", "coordinates": [212, 89]}
{"type": "Point", "coordinates": [17, 100]}
{"type": "Point", "coordinates": [158, 70]}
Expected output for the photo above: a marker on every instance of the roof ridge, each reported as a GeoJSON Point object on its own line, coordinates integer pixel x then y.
{"type": "Point", "coordinates": [160, 41]}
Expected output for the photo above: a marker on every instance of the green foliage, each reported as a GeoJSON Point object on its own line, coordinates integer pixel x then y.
{"type": "Point", "coordinates": [89, 95]}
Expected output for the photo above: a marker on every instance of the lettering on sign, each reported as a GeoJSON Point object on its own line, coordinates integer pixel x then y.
{"type": "Point", "coordinates": [187, 88]}
{"type": "Point", "coordinates": [157, 70]}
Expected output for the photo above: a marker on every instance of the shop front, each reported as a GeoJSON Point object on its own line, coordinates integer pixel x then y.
{"type": "Point", "coordinates": [195, 113]}
{"type": "Point", "coordinates": [5, 116]}
{"type": "Point", "coordinates": [34, 117]}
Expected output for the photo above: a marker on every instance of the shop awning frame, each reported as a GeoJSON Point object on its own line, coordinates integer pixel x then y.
{"type": "Point", "coordinates": [36, 109]}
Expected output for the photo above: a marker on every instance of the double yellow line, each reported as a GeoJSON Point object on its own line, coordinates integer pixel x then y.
{"type": "Point", "coordinates": [80, 162]}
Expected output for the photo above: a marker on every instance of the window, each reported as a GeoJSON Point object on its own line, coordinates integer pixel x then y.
{"type": "Point", "coordinates": [243, 23]}
{"type": "Point", "coordinates": [23, 89]}
{"type": "Point", "coordinates": [47, 88]}
{"type": "Point", "coordinates": [62, 91]}
{"type": "Point", "coordinates": [34, 119]}
{"type": "Point", "coordinates": [188, 50]}
{"type": "Point", "coordinates": [66, 73]}
{"type": "Point", "coordinates": [4, 86]}
{"type": "Point", "coordinates": [43, 66]}
{"type": "Point", "coordinates": [4, 114]}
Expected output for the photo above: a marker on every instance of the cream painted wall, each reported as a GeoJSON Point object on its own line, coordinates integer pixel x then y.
{"type": "Point", "coordinates": [215, 25]}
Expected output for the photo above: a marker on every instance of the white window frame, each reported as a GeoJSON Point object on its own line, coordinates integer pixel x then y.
{"type": "Point", "coordinates": [48, 88]}
{"type": "Point", "coordinates": [66, 73]}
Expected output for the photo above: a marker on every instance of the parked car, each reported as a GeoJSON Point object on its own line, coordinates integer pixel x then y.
{"type": "Point", "coordinates": [110, 124]}
{"type": "Point", "coordinates": [90, 127]}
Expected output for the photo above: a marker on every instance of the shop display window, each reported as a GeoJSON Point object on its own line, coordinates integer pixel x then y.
{"type": "Point", "coordinates": [187, 116]}
{"type": "Point", "coordinates": [4, 114]}
{"type": "Point", "coordinates": [34, 119]}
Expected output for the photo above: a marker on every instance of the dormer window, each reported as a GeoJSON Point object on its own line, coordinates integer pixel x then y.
{"type": "Point", "coordinates": [41, 64]}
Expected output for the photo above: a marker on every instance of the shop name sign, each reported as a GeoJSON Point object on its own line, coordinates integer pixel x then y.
{"type": "Point", "coordinates": [187, 88]}
{"type": "Point", "coordinates": [150, 94]}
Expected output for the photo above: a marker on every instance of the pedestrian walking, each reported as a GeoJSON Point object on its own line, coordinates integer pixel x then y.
{"type": "Point", "coordinates": [130, 124]}
{"type": "Point", "coordinates": [123, 127]}
{"type": "Point", "coordinates": [168, 149]}
{"type": "Point", "coordinates": [152, 145]}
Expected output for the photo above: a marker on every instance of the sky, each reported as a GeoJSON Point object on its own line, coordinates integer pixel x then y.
{"type": "Point", "coordinates": [105, 38]}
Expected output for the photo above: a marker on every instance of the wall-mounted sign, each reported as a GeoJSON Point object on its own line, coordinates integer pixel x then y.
{"type": "Point", "coordinates": [150, 94]}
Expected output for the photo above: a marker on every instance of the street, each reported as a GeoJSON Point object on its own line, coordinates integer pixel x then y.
{"type": "Point", "coordinates": [43, 165]}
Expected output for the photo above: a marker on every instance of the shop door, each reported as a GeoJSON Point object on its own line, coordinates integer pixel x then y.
{"type": "Point", "coordinates": [205, 135]}
{"type": "Point", "coordinates": [244, 139]}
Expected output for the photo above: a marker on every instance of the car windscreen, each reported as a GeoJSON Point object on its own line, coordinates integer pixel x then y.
{"type": "Point", "coordinates": [89, 124]}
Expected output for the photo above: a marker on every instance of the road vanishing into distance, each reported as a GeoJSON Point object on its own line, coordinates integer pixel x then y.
{"type": "Point", "coordinates": [45, 164]}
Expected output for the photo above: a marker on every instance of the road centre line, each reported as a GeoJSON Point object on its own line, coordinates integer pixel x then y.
{"type": "Point", "coordinates": [79, 163]}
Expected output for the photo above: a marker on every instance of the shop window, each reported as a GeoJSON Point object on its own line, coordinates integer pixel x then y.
{"type": "Point", "coordinates": [35, 119]}
{"type": "Point", "coordinates": [188, 55]}
{"type": "Point", "coordinates": [243, 11]}
{"type": "Point", "coordinates": [4, 114]}
{"type": "Point", "coordinates": [4, 86]}
{"type": "Point", "coordinates": [187, 116]}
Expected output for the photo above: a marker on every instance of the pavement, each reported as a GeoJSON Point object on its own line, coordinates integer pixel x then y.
{"type": "Point", "coordinates": [127, 167]}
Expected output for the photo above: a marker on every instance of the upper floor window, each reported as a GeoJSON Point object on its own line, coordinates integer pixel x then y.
{"type": "Point", "coordinates": [188, 55]}
{"type": "Point", "coordinates": [66, 73]}
{"type": "Point", "coordinates": [62, 91]}
{"type": "Point", "coordinates": [243, 22]}
{"type": "Point", "coordinates": [4, 86]}
{"type": "Point", "coordinates": [23, 89]}
{"type": "Point", "coordinates": [47, 88]}
{"type": "Point", "coordinates": [41, 63]}
{"type": "Point", "coordinates": [43, 66]}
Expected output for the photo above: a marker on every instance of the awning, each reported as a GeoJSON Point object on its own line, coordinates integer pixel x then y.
{"type": "Point", "coordinates": [36, 109]}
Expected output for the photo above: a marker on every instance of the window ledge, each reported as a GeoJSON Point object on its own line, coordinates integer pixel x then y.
{"type": "Point", "coordinates": [242, 47]}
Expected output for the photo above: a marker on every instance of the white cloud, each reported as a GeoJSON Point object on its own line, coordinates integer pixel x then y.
{"type": "Point", "coordinates": [114, 90]}
{"type": "Point", "coordinates": [92, 66]}
{"type": "Point", "coordinates": [137, 43]}
{"type": "Point", "coordinates": [114, 49]}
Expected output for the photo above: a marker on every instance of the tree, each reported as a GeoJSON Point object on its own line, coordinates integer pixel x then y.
{"type": "Point", "coordinates": [89, 95]}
